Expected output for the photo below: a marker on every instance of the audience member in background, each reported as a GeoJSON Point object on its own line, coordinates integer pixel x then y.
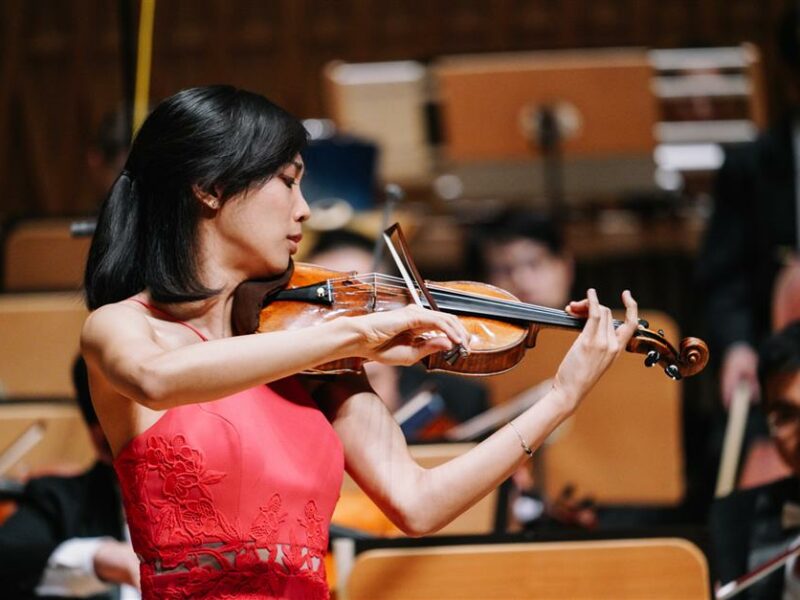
{"type": "Point", "coordinates": [344, 250]}
{"type": "Point", "coordinates": [749, 527]}
{"type": "Point", "coordinates": [66, 537]}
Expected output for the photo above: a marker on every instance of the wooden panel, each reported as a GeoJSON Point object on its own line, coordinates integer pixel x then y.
{"type": "Point", "coordinates": [624, 443]}
{"type": "Point", "coordinates": [653, 569]}
{"type": "Point", "coordinates": [42, 256]}
{"type": "Point", "coordinates": [61, 65]}
{"type": "Point", "coordinates": [356, 510]}
{"type": "Point", "coordinates": [485, 101]}
{"type": "Point", "coordinates": [41, 337]}
{"type": "Point", "coordinates": [65, 448]}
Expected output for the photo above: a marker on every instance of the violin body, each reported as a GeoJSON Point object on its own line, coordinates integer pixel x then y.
{"type": "Point", "coordinates": [495, 345]}
{"type": "Point", "coordinates": [501, 328]}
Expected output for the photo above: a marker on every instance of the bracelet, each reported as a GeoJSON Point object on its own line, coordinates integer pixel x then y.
{"type": "Point", "coordinates": [525, 446]}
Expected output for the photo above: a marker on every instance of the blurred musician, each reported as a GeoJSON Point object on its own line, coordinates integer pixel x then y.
{"type": "Point", "coordinates": [749, 527]}
{"type": "Point", "coordinates": [344, 250]}
{"type": "Point", "coordinates": [67, 537]}
{"type": "Point", "coordinates": [753, 226]}
{"type": "Point", "coordinates": [524, 253]}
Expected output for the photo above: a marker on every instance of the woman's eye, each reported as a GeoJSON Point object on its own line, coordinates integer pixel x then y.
{"type": "Point", "coordinates": [289, 181]}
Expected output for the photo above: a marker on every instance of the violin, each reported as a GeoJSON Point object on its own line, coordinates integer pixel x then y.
{"type": "Point", "coordinates": [501, 327]}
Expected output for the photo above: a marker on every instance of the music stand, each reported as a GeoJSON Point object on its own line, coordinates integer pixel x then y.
{"type": "Point", "coordinates": [496, 110]}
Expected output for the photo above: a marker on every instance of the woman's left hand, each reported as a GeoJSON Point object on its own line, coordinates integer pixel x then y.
{"type": "Point", "coordinates": [595, 348]}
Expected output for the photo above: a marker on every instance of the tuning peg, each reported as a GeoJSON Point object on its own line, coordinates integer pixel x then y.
{"type": "Point", "coordinates": [644, 323]}
{"type": "Point", "coordinates": [661, 332]}
{"type": "Point", "coordinates": [652, 358]}
{"type": "Point", "coordinates": [673, 372]}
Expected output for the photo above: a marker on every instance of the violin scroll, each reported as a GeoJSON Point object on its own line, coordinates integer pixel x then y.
{"type": "Point", "coordinates": [690, 358]}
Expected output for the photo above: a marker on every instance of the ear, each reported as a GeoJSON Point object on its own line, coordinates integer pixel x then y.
{"type": "Point", "coordinates": [208, 199]}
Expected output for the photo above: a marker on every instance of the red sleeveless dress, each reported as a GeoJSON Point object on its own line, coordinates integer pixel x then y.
{"type": "Point", "coordinates": [233, 498]}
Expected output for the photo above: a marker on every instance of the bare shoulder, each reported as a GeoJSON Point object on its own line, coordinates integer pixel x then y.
{"type": "Point", "coordinates": [114, 321]}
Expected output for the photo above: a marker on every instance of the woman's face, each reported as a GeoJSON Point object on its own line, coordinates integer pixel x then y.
{"type": "Point", "coordinates": [261, 228]}
{"type": "Point", "coordinates": [530, 271]}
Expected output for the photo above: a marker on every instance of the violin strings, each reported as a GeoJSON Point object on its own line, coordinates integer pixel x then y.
{"type": "Point", "coordinates": [452, 298]}
{"type": "Point", "coordinates": [509, 309]}
{"type": "Point", "coordinates": [528, 310]}
{"type": "Point", "coordinates": [457, 293]}
{"type": "Point", "coordinates": [513, 304]}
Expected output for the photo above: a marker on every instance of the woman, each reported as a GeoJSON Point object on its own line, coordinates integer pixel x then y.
{"type": "Point", "coordinates": [229, 483]}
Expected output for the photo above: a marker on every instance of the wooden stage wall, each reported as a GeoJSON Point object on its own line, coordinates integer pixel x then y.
{"type": "Point", "coordinates": [60, 64]}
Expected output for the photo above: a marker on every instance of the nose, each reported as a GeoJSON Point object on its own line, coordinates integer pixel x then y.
{"type": "Point", "coordinates": [303, 211]}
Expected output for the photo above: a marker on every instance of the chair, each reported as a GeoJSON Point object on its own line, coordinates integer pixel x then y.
{"type": "Point", "coordinates": [41, 255]}
{"type": "Point", "coordinates": [43, 437]}
{"type": "Point", "coordinates": [384, 102]}
{"type": "Point", "coordinates": [656, 569]}
{"type": "Point", "coordinates": [41, 338]}
{"type": "Point", "coordinates": [356, 510]}
{"type": "Point", "coordinates": [624, 445]}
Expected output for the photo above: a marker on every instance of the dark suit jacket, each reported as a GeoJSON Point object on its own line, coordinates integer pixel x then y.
{"type": "Point", "coordinates": [747, 530]}
{"type": "Point", "coordinates": [754, 218]}
{"type": "Point", "coordinates": [55, 509]}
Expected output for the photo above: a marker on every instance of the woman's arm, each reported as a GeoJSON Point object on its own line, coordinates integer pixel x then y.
{"type": "Point", "coordinates": [420, 501]}
{"type": "Point", "coordinates": [119, 341]}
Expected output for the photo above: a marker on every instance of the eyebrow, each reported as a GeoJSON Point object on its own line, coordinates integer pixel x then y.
{"type": "Point", "coordinates": [298, 165]}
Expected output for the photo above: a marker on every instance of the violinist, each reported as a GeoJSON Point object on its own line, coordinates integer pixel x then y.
{"type": "Point", "coordinates": [752, 526]}
{"type": "Point", "coordinates": [229, 464]}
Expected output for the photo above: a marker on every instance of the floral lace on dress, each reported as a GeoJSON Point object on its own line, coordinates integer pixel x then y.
{"type": "Point", "coordinates": [203, 532]}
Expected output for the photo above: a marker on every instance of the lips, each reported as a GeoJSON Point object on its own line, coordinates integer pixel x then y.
{"type": "Point", "coordinates": [295, 242]}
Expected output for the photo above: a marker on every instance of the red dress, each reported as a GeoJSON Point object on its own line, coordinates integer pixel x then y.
{"type": "Point", "coordinates": [233, 498]}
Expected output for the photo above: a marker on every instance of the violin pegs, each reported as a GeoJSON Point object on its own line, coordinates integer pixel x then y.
{"type": "Point", "coordinates": [652, 358]}
{"type": "Point", "coordinates": [644, 323]}
{"type": "Point", "coordinates": [661, 332]}
{"type": "Point", "coordinates": [673, 372]}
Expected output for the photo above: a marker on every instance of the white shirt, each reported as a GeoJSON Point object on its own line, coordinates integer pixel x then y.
{"type": "Point", "coordinates": [70, 571]}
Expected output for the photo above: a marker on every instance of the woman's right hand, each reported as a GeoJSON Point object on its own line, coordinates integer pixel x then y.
{"type": "Point", "coordinates": [407, 335]}
{"type": "Point", "coordinates": [595, 348]}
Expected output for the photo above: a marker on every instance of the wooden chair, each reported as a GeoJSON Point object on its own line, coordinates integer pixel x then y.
{"type": "Point", "coordinates": [40, 255]}
{"type": "Point", "coordinates": [624, 445]}
{"type": "Point", "coordinates": [54, 439]}
{"type": "Point", "coordinates": [41, 337]}
{"type": "Point", "coordinates": [656, 569]}
{"type": "Point", "coordinates": [356, 510]}
{"type": "Point", "coordinates": [384, 102]}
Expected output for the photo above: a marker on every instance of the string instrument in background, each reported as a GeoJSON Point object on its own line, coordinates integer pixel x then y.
{"type": "Point", "coordinates": [501, 327]}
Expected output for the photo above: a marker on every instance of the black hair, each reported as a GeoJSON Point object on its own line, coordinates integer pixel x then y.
{"type": "Point", "coordinates": [780, 353]}
{"type": "Point", "coordinates": [336, 239]}
{"type": "Point", "coordinates": [219, 139]}
{"type": "Point", "coordinates": [507, 227]}
{"type": "Point", "coordinates": [80, 381]}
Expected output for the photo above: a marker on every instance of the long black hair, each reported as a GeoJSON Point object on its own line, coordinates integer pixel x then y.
{"type": "Point", "coordinates": [218, 139]}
